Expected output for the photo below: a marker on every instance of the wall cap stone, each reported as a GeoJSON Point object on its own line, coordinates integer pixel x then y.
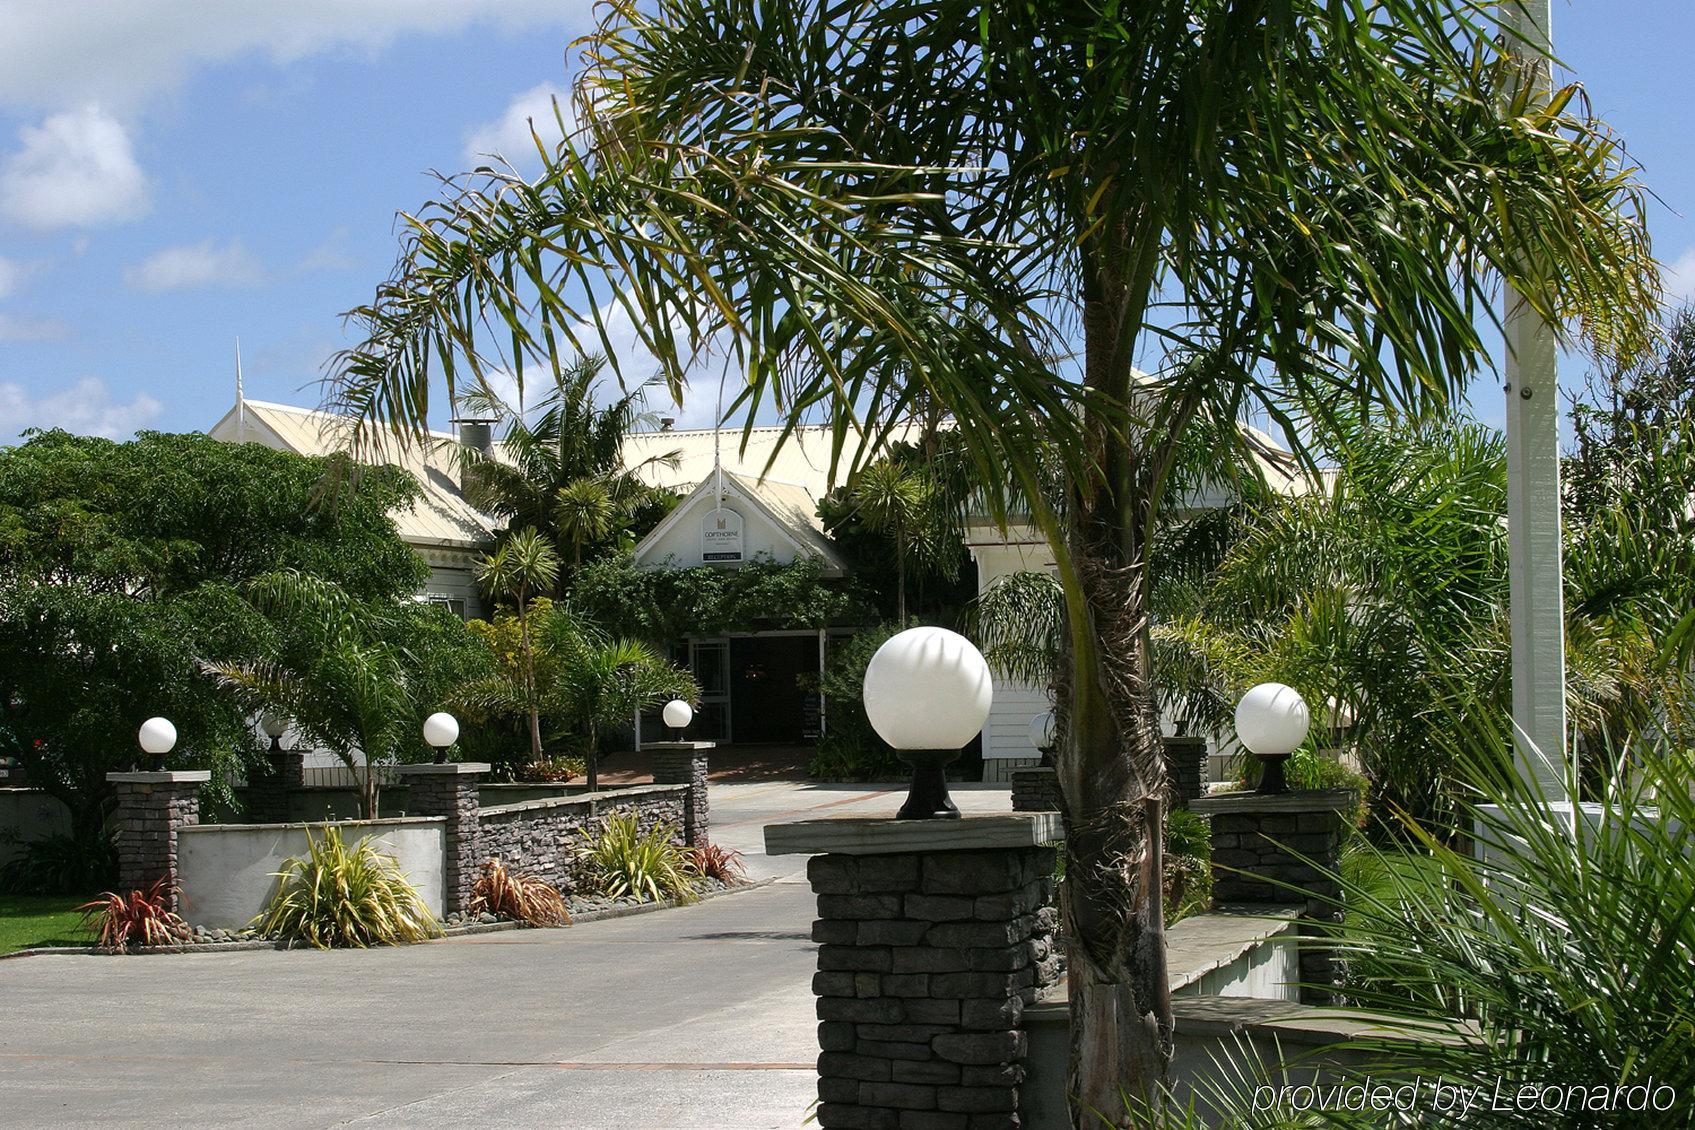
{"type": "Point", "coordinates": [310, 824]}
{"type": "Point", "coordinates": [859, 836]}
{"type": "Point", "coordinates": [587, 800]}
{"type": "Point", "coordinates": [679, 745]}
{"type": "Point", "coordinates": [1248, 803]}
{"type": "Point", "coordinates": [452, 768]}
{"type": "Point", "coordinates": [162, 777]}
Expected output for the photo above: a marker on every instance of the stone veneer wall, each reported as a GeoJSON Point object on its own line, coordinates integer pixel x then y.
{"type": "Point", "coordinates": [925, 964]}
{"type": "Point", "coordinates": [1185, 769]}
{"type": "Point", "coordinates": [151, 808]}
{"type": "Point", "coordinates": [542, 837]}
{"type": "Point", "coordinates": [1277, 849]}
{"type": "Point", "coordinates": [1036, 789]}
{"type": "Point", "coordinates": [684, 763]}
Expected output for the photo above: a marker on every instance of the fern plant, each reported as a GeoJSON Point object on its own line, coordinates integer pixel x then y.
{"type": "Point", "coordinates": [628, 862]}
{"type": "Point", "coordinates": [341, 895]}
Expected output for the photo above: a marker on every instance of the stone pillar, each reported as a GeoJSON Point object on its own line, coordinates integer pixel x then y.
{"type": "Point", "coordinates": [451, 790]}
{"type": "Point", "coordinates": [270, 794]}
{"type": "Point", "coordinates": [151, 807]}
{"type": "Point", "coordinates": [1036, 789]}
{"type": "Point", "coordinates": [684, 763]}
{"type": "Point", "coordinates": [1274, 849]}
{"type": "Point", "coordinates": [934, 935]}
{"type": "Point", "coordinates": [1186, 768]}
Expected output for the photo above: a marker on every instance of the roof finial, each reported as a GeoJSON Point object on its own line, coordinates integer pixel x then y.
{"type": "Point", "coordinates": [717, 429]}
{"type": "Point", "coordinates": [240, 398]}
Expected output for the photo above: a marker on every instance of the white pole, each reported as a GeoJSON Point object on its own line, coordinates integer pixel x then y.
{"type": "Point", "coordinates": [1535, 550]}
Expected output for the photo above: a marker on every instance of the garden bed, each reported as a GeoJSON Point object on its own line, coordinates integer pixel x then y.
{"type": "Point", "coordinates": [583, 908]}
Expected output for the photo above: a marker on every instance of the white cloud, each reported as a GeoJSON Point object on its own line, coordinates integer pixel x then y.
{"type": "Point", "coordinates": [1679, 278]}
{"type": "Point", "coordinates": [330, 255]}
{"type": "Point", "coordinates": [13, 328]}
{"type": "Point", "coordinates": [86, 407]}
{"type": "Point", "coordinates": [11, 274]}
{"type": "Point", "coordinates": [125, 53]}
{"type": "Point", "coordinates": [509, 136]}
{"type": "Point", "coordinates": [196, 265]}
{"type": "Point", "coordinates": [76, 169]}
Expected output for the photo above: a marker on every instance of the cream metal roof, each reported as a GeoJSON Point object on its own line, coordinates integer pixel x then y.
{"type": "Point", "coordinates": [440, 517]}
{"type": "Point", "coordinates": [803, 461]}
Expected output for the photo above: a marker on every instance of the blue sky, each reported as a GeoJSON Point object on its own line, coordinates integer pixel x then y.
{"type": "Point", "coordinates": [174, 175]}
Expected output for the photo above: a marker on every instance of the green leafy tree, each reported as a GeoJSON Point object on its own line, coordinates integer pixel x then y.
{"type": "Point", "coordinates": [356, 677]}
{"type": "Point", "coordinates": [120, 566]}
{"type": "Point", "coordinates": [991, 211]}
{"type": "Point", "coordinates": [523, 565]}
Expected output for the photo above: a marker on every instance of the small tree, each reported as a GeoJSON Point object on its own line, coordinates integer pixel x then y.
{"type": "Point", "coordinates": [523, 565]}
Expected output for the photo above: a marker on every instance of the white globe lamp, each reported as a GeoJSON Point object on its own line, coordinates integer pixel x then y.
{"type": "Point", "coordinates": [928, 693]}
{"type": "Point", "coordinates": [1044, 730]}
{"type": "Point", "coordinates": [441, 730]}
{"type": "Point", "coordinates": [157, 737]}
{"type": "Point", "coordinates": [677, 714]}
{"type": "Point", "coordinates": [1271, 721]}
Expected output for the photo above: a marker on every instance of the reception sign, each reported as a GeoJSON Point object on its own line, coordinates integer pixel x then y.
{"type": "Point", "coordinates": [721, 535]}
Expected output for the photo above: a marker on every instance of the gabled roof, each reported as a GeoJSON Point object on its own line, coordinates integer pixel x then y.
{"type": "Point", "coordinates": [440, 516]}
{"type": "Point", "coordinates": [789, 507]}
{"type": "Point", "coordinates": [802, 461]}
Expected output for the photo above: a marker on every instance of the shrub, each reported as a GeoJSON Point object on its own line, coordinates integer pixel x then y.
{"type": "Point", "coordinates": [62, 865]}
{"type": "Point", "coordinates": [851, 749]}
{"type": "Point", "coordinates": [631, 863]}
{"type": "Point", "coordinates": [1188, 865]}
{"type": "Point", "coordinates": [143, 918]}
{"type": "Point", "coordinates": [710, 861]}
{"type": "Point", "coordinates": [336, 895]}
{"type": "Point", "coordinates": [522, 898]}
{"type": "Point", "coordinates": [551, 770]}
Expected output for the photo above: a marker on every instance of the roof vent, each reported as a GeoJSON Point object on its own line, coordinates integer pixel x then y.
{"type": "Point", "coordinates": [666, 423]}
{"type": "Point", "coordinates": [478, 434]}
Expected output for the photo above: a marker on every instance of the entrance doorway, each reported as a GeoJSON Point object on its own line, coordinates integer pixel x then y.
{"type": "Point", "coordinates": [769, 702]}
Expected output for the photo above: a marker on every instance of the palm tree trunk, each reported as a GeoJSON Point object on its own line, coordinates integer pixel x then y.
{"type": "Point", "coordinates": [529, 680]}
{"type": "Point", "coordinates": [900, 577]}
{"type": "Point", "coordinates": [591, 761]}
{"type": "Point", "coordinates": [368, 791]}
{"type": "Point", "coordinates": [1111, 769]}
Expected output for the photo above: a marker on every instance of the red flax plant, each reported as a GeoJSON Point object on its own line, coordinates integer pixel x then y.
{"type": "Point", "coordinates": [142, 917]}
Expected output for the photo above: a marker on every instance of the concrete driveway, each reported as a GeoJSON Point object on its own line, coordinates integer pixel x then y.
{"type": "Point", "coordinates": [694, 1018]}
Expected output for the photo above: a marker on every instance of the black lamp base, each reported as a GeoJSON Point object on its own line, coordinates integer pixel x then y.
{"type": "Point", "coordinates": [1272, 780]}
{"type": "Point", "coordinates": [927, 797]}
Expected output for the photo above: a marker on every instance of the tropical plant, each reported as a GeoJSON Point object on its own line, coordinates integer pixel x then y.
{"type": "Point", "coordinates": [520, 898]}
{"type": "Point", "coordinates": [342, 895]}
{"type": "Point", "coordinates": [1188, 865]}
{"type": "Point", "coordinates": [714, 861]}
{"type": "Point", "coordinates": [560, 464]}
{"type": "Point", "coordinates": [554, 769]}
{"type": "Point", "coordinates": [142, 918]}
{"type": "Point", "coordinates": [584, 682]}
{"type": "Point", "coordinates": [851, 750]}
{"type": "Point", "coordinates": [626, 860]}
{"type": "Point", "coordinates": [523, 565]}
{"type": "Point", "coordinates": [992, 210]}
{"type": "Point", "coordinates": [120, 566]}
{"type": "Point", "coordinates": [61, 864]}
{"type": "Point", "coordinates": [355, 677]}
{"type": "Point", "coordinates": [891, 500]}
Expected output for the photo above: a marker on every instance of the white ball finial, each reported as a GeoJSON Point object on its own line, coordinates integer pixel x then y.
{"type": "Point", "coordinates": [928, 688]}
{"type": "Point", "coordinates": [1272, 719]}
{"type": "Point", "coordinates": [677, 714]}
{"type": "Point", "coordinates": [1043, 730]}
{"type": "Point", "coordinates": [157, 736]}
{"type": "Point", "coordinates": [441, 729]}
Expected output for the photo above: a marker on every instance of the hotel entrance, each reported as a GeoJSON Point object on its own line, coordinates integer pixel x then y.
{"type": "Point", "coordinates": [756, 689]}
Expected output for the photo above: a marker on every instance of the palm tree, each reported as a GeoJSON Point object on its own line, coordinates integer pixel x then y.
{"type": "Point", "coordinates": [354, 677]}
{"type": "Point", "coordinates": [994, 210]}
{"type": "Point", "coordinates": [560, 467]}
{"type": "Point", "coordinates": [892, 500]}
{"type": "Point", "coordinates": [523, 565]}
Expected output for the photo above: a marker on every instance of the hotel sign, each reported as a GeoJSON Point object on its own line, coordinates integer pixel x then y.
{"type": "Point", "coordinates": [721, 535]}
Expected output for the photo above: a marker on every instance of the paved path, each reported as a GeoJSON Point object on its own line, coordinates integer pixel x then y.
{"type": "Point", "coordinates": [694, 1018]}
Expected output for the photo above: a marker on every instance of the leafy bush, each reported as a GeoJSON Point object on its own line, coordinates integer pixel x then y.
{"type": "Point", "coordinates": [1188, 865]}
{"type": "Point", "coordinates": [62, 865]}
{"type": "Point", "coordinates": [551, 770]}
{"type": "Point", "coordinates": [336, 895]}
{"type": "Point", "coordinates": [711, 861]}
{"type": "Point", "coordinates": [521, 898]}
{"type": "Point", "coordinates": [630, 863]}
{"type": "Point", "coordinates": [851, 749]}
{"type": "Point", "coordinates": [143, 918]}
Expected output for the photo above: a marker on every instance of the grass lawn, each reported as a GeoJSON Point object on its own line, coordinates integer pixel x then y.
{"type": "Point", "coordinates": [27, 921]}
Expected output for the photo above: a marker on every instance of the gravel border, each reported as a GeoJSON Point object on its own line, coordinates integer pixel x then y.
{"type": "Point", "coordinates": [616, 911]}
